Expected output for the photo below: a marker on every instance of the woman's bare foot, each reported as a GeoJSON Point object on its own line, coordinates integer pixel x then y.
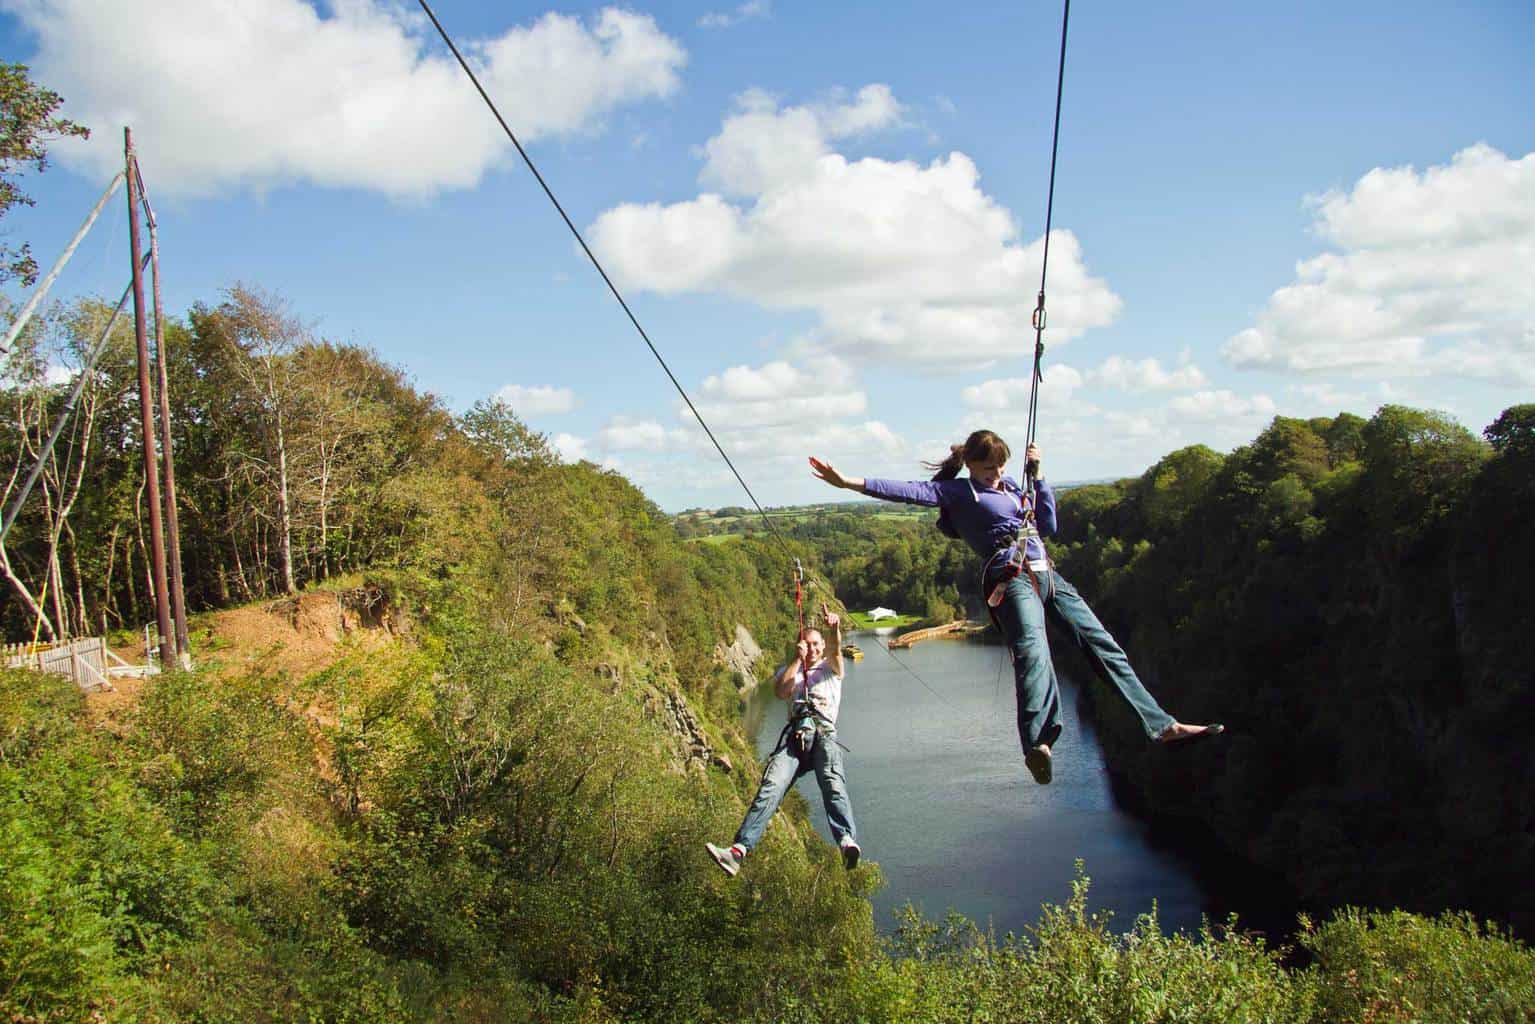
{"type": "Point", "coordinates": [1037, 761]}
{"type": "Point", "coordinates": [1179, 732]}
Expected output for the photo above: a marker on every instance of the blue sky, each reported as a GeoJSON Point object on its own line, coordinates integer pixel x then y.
{"type": "Point", "coordinates": [828, 217]}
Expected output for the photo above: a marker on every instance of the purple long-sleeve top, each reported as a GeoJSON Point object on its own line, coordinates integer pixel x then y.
{"type": "Point", "coordinates": [988, 520]}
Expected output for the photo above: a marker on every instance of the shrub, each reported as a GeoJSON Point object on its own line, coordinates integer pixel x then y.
{"type": "Point", "coordinates": [1394, 966]}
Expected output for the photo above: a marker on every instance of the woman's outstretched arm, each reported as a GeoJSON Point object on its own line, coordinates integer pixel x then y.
{"type": "Point", "coordinates": [911, 492]}
{"type": "Point", "coordinates": [827, 472]}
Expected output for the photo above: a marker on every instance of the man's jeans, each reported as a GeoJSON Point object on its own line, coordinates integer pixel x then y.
{"type": "Point", "coordinates": [783, 768]}
{"type": "Point", "coordinates": [1022, 617]}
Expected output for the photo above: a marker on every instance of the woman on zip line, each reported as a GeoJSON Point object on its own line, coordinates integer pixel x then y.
{"type": "Point", "coordinates": [1003, 526]}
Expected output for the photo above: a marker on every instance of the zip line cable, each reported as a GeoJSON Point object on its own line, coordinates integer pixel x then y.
{"type": "Point", "coordinates": [1044, 263]}
{"type": "Point", "coordinates": [597, 264]}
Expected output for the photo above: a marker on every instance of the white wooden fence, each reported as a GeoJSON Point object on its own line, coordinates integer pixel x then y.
{"type": "Point", "coordinates": [87, 661]}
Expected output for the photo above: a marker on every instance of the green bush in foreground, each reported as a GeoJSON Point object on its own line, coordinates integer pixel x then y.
{"type": "Point", "coordinates": [507, 847]}
{"type": "Point", "coordinates": [1070, 967]}
{"type": "Point", "coordinates": [1368, 967]}
{"type": "Point", "coordinates": [1395, 966]}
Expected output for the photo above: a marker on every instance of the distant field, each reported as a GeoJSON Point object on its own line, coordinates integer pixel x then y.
{"type": "Point", "coordinates": [713, 525]}
{"type": "Point", "coordinates": [862, 621]}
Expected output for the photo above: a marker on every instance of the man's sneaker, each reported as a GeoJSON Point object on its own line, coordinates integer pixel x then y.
{"type": "Point", "coordinates": [729, 858]}
{"type": "Point", "coordinates": [850, 853]}
{"type": "Point", "coordinates": [1037, 761]}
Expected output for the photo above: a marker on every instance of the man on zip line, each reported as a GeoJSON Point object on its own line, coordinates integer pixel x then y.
{"type": "Point", "coordinates": [812, 685]}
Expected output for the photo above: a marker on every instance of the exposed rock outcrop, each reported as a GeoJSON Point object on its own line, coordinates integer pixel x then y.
{"type": "Point", "coordinates": [740, 657]}
{"type": "Point", "coordinates": [693, 749]}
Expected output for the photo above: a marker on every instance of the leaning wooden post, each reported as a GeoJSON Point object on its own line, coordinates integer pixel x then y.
{"type": "Point", "coordinates": [172, 522]}
{"type": "Point", "coordinates": [147, 419]}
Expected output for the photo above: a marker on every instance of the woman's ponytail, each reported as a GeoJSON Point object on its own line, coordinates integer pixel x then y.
{"type": "Point", "coordinates": [949, 468]}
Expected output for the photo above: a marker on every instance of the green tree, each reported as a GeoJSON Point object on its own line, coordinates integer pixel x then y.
{"type": "Point", "coordinates": [1288, 446]}
{"type": "Point", "coordinates": [1417, 463]}
{"type": "Point", "coordinates": [1344, 435]}
{"type": "Point", "coordinates": [494, 429]}
{"type": "Point", "coordinates": [27, 125]}
{"type": "Point", "coordinates": [1175, 484]}
{"type": "Point", "coordinates": [1513, 432]}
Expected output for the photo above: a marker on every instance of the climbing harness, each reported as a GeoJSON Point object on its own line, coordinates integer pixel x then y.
{"type": "Point", "coordinates": [1011, 559]}
{"type": "Point", "coordinates": [806, 724]}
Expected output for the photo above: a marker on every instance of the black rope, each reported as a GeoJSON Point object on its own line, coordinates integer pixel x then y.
{"type": "Point", "coordinates": [1039, 309]}
{"type": "Point", "coordinates": [766, 519]}
{"type": "Point", "coordinates": [605, 278]}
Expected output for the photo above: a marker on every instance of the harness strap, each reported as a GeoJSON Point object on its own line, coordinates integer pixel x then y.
{"type": "Point", "coordinates": [824, 728]}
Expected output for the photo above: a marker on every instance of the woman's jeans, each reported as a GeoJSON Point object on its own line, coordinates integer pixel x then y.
{"type": "Point", "coordinates": [782, 769]}
{"type": "Point", "coordinates": [1022, 617]}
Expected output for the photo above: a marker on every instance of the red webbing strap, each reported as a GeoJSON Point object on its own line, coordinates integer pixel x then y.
{"type": "Point", "coordinates": [799, 606]}
{"type": "Point", "coordinates": [799, 597]}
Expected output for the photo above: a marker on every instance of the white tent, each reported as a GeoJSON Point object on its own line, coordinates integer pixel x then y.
{"type": "Point", "coordinates": [881, 613]}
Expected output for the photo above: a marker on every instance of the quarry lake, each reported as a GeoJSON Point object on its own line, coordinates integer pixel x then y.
{"type": "Point", "coordinates": [944, 804]}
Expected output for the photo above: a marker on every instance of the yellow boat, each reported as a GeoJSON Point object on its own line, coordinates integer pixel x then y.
{"type": "Point", "coordinates": [852, 651]}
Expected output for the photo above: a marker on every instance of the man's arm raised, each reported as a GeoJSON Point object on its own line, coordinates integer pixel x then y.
{"type": "Point", "coordinates": [784, 686]}
{"type": "Point", "coordinates": [834, 626]}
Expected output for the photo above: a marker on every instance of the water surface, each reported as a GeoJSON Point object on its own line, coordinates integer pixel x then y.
{"type": "Point", "coordinates": [944, 804]}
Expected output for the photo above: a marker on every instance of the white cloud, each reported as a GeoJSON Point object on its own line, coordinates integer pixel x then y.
{"type": "Point", "coordinates": [1146, 375]}
{"type": "Point", "coordinates": [782, 412]}
{"type": "Point", "coordinates": [1127, 425]}
{"type": "Point", "coordinates": [1055, 391]}
{"type": "Point", "coordinates": [571, 447]}
{"type": "Point", "coordinates": [263, 92]}
{"type": "Point", "coordinates": [1222, 405]}
{"type": "Point", "coordinates": [625, 434]}
{"type": "Point", "coordinates": [792, 447]}
{"type": "Point", "coordinates": [778, 394]}
{"type": "Point", "coordinates": [761, 148]}
{"type": "Point", "coordinates": [768, 418]}
{"type": "Point", "coordinates": [897, 260]}
{"type": "Point", "coordinates": [534, 401]}
{"type": "Point", "coordinates": [746, 12]}
{"type": "Point", "coordinates": [1432, 275]}
{"type": "Point", "coordinates": [1324, 395]}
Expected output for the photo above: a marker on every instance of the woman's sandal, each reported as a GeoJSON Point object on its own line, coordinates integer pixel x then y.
{"type": "Point", "coordinates": [1213, 729]}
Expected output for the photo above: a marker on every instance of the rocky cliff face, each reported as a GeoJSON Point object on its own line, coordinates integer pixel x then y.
{"type": "Point", "coordinates": [740, 657]}
{"type": "Point", "coordinates": [693, 750]}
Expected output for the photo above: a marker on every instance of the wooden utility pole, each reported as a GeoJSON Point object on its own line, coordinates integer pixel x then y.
{"type": "Point", "coordinates": [147, 420]}
{"type": "Point", "coordinates": [172, 521]}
